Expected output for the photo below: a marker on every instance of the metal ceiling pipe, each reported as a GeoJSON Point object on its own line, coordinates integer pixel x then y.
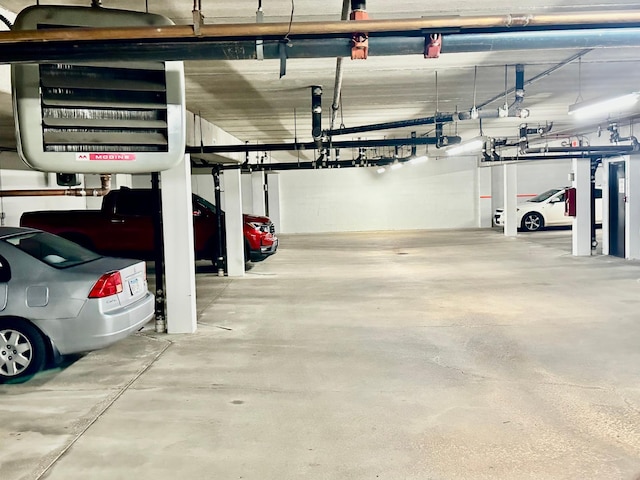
{"type": "Point", "coordinates": [253, 31]}
{"type": "Point", "coordinates": [537, 77]}
{"type": "Point", "coordinates": [198, 49]}
{"type": "Point", "coordinates": [440, 118]}
{"type": "Point", "coordinates": [556, 156]}
{"type": "Point", "coordinates": [337, 87]}
{"type": "Point", "coordinates": [105, 181]}
{"type": "Point", "coordinates": [577, 151]}
{"type": "Point", "coordinates": [316, 114]}
{"type": "Point", "coordinates": [284, 147]}
{"type": "Point", "coordinates": [317, 165]}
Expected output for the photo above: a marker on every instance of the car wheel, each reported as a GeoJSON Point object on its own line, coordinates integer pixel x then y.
{"type": "Point", "coordinates": [532, 221]}
{"type": "Point", "coordinates": [22, 350]}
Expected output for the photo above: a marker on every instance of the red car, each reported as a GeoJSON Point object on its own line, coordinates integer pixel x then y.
{"type": "Point", "coordinates": [124, 227]}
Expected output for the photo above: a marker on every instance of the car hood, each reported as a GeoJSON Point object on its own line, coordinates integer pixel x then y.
{"type": "Point", "coordinates": [248, 218]}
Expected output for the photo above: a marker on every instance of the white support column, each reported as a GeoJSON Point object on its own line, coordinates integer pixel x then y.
{"type": "Point", "coordinates": [510, 199]}
{"type": "Point", "coordinates": [273, 189]}
{"type": "Point", "coordinates": [581, 230]}
{"type": "Point", "coordinates": [233, 221]}
{"type": "Point", "coordinates": [258, 206]}
{"type": "Point", "coordinates": [179, 261]}
{"type": "Point", "coordinates": [605, 207]}
{"type": "Point", "coordinates": [632, 219]}
{"type": "Point", "coordinates": [483, 198]}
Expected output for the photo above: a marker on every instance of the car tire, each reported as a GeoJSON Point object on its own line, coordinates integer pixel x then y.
{"type": "Point", "coordinates": [22, 350]}
{"type": "Point", "coordinates": [532, 221]}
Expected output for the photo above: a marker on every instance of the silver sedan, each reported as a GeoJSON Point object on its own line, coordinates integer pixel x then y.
{"type": "Point", "coordinates": [59, 298]}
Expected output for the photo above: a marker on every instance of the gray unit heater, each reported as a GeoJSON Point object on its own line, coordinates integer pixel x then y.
{"type": "Point", "coordinates": [117, 117]}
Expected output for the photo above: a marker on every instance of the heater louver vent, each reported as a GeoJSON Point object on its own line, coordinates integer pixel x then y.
{"type": "Point", "coordinates": [97, 109]}
{"type": "Point", "coordinates": [116, 117]}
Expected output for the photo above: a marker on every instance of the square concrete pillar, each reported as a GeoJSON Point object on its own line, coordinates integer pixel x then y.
{"type": "Point", "coordinates": [510, 171]}
{"type": "Point", "coordinates": [581, 230]}
{"type": "Point", "coordinates": [232, 192]}
{"type": "Point", "coordinates": [273, 194]}
{"type": "Point", "coordinates": [632, 214]}
{"type": "Point", "coordinates": [179, 257]}
{"type": "Point", "coordinates": [258, 204]}
{"type": "Point", "coordinates": [483, 198]}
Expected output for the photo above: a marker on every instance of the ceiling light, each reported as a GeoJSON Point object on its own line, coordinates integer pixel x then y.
{"type": "Point", "coordinates": [470, 146]}
{"type": "Point", "coordinates": [396, 166]}
{"type": "Point", "coordinates": [381, 170]}
{"type": "Point", "coordinates": [420, 159]}
{"type": "Point", "coordinates": [601, 106]}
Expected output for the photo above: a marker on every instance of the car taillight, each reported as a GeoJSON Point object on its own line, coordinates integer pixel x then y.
{"type": "Point", "coordinates": [107, 285]}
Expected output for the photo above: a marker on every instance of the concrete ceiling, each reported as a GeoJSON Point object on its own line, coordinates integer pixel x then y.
{"type": "Point", "coordinates": [249, 100]}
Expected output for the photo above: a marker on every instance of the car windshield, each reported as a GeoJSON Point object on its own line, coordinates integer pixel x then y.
{"type": "Point", "coordinates": [205, 203]}
{"type": "Point", "coordinates": [544, 196]}
{"type": "Point", "coordinates": [52, 250]}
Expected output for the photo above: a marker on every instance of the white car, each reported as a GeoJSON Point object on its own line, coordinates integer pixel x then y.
{"type": "Point", "coordinates": [545, 210]}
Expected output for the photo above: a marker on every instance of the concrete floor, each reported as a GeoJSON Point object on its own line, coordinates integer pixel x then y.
{"type": "Point", "coordinates": [420, 355]}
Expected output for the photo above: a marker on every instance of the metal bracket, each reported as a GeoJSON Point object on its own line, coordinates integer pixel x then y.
{"type": "Point", "coordinates": [433, 46]}
{"type": "Point", "coordinates": [282, 50]}
{"type": "Point", "coordinates": [359, 40]}
{"type": "Point", "coordinates": [259, 41]}
{"type": "Point", "coordinates": [198, 18]}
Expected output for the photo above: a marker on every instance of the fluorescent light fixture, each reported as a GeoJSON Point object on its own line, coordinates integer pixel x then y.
{"type": "Point", "coordinates": [420, 159]}
{"type": "Point", "coordinates": [604, 106]}
{"type": "Point", "coordinates": [396, 166]}
{"type": "Point", "coordinates": [381, 170]}
{"type": "Point", "coordinates": [470, 146]}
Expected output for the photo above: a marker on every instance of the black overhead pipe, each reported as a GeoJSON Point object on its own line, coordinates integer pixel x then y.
{"type": "Point", "coordinates": [316, 114]}
{"type": "Point", "coordinates": [219, 253]}
{"type": "Point", "coordinates": [585, 151]}
{"type": "Point", "coordinates": [337, 87]}
{"type": "Point", "coordinates": [317, 164]}
{"type": "Point", "coordinates": [519, 84]}
{"type": "Point", "coordinates": [440, 118]}
{"type": "Point", "coordinates": [199, 48]}
{"type": "Point", "coordinates": [158, 243]}
{"type": "Point", "coordinates": [284, 147]}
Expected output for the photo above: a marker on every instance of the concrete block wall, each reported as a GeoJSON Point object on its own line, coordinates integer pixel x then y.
{"type": "Point", "coordinates": [442, 193]}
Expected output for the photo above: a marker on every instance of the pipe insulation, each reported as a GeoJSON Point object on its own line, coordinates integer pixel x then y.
{"type": "Point", "coordinates": [252, 31]}
{"type": "Point", "coordinates": [165, 43]}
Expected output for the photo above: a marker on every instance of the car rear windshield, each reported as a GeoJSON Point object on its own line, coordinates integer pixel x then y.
{"type": "Point", "coordinates": [52, 250]}
{"type": "Point", "coordinates": [543, 196]}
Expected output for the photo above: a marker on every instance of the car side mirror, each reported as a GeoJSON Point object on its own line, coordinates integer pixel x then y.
{"type": "Point", "coordinates": [197, 212]}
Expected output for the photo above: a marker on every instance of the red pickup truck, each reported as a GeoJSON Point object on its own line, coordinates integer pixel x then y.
{"type": "Point", "coordinates": [124, 227]}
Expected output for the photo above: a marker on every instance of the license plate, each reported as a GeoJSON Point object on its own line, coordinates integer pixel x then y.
{"type": "Point", "coordinates": [135, 285]}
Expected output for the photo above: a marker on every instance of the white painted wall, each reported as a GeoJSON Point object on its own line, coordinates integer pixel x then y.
{"type": "Point", "coordinates": [533, 178]}
{"type": "Point", "coordinates": [14, 207]}
{"type": "Point", "coordinates": [442, 193]}
{"type": "Point", "coordinates": [438, 194]}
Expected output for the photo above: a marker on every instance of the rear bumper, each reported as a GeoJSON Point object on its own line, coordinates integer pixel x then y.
{"type": "Point", "coordinates": [93, 329]}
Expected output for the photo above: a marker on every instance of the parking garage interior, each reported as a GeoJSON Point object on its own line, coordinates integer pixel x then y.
{"type": "Point", "coordinates": [397, 332]}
